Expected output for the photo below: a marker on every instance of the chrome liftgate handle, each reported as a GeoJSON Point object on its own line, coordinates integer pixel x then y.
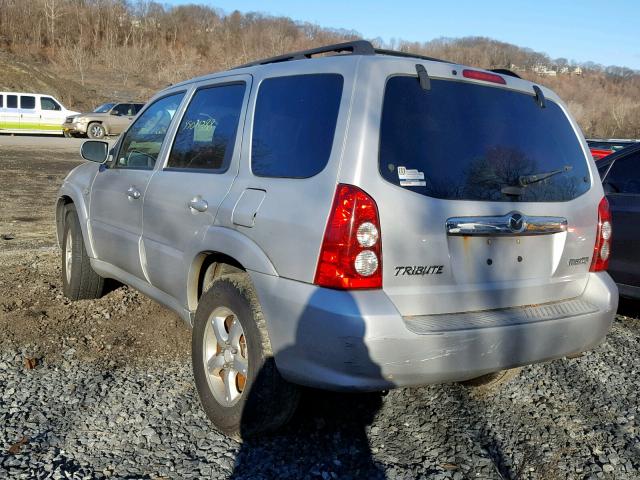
{"type": "Point", "coordinates": [513, 223]}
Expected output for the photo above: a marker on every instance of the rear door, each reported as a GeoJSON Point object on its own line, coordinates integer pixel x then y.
{"type": "Point", "coordinates": [10, 113]}
{"type": "Point", "coordinates": [118, 191]}
{"type": "Point", "coordinates": [183, 197]}
{"type": "Point", "coordinates": [29, 114]}
{"type": "Point", "coordinates": [465, 223]}
{"type": "Point", "coordinates": [622, 185]}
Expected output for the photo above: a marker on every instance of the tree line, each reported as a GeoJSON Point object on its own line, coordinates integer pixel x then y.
{"type": "Point", "coordinates": [143, 45]}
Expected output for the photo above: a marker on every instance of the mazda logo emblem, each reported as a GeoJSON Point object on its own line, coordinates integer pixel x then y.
{"type": "Point", "coordinates": [517, 223]}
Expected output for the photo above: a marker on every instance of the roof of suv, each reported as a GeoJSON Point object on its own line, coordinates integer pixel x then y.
{"type": "Point", "coordinates": [354, 48]}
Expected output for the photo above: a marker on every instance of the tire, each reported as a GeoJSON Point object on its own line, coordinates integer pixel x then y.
{"type": "Point", "coordinates": [492, 381]}
{"type": "Point", "coordinates": [96, 131]}
{"type": "Point", "coordinates": [260, 400]}
{"type": "Point", "coordinates": [79, 281]}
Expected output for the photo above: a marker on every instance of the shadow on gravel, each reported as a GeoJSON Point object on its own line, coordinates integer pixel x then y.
{"type": "Point", "coordinates": [326, 438]}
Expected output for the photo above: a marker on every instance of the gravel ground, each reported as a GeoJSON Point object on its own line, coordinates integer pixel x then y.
{"type": "Point", "coordinates": [571, 418]}
{"type": "Point", "coordinates": [100, 389]}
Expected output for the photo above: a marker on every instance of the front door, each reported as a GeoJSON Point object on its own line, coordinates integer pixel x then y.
{"type": "Point", "coordinates": [51, 115]}
{"type": "Point", "coordinates": [118, 191]}
{"type": "Point", "coordinates": [622, 185]}
{"type": "Point", "coordinates": [183, 197]}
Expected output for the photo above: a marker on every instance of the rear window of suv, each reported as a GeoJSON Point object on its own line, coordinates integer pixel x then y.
{"type": "Point", "coordinates": [464, 141]}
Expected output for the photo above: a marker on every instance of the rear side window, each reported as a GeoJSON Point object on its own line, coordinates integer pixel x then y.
{"type": "Point", "coordinates": [294, 125]}
{"type": "Point", "coordinates": [207, 132]}
{"type": "Point", "coordinates": [1, 101]}
{"type": "Point", "coordinates": [12, 101]}
{"type": "Point", "coordinates": [27, 102]}
{"type": "Point", "coordinates": [624, 176]}
{"type": "Point", "coordinates": [464, 141]}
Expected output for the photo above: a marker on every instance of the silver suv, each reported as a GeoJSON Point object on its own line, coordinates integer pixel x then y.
{"type": "Point", "coordinates": [360, 221]}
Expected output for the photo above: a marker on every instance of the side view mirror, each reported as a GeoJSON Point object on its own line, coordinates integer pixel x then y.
{"type": "Point", "coordinates": [94, 151]}
{"type": "Point", "coordinates": [114, 112]}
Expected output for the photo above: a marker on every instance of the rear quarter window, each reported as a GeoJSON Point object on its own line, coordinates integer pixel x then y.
{"type": "Point", "coordinates": [294, 124]}
{"type": "Point", "coordinates": [464, 141]}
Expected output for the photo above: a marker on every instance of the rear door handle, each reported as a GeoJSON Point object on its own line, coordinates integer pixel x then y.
{"type": "Point", "coordinates": [134, 193]}
{"type": "Point", "coordinates": [198, 204]}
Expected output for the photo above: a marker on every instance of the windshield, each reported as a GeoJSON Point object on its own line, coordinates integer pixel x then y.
{"type": "Point", "coordinates": [464, 141]}
{"type": "Point", "coordinates": [104, 108]}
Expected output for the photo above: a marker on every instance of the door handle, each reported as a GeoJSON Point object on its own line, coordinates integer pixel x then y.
{"type": "Point", "coordinates": [198, 204]}
{"type": "Point", "coordinates": [134, 193]}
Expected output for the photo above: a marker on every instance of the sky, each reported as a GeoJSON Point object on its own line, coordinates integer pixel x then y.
{"type": "Point", "coordinates": [602, 31]}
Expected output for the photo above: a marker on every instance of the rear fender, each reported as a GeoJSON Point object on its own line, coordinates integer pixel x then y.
{"type": "Point", "coordinates": [229, 242]}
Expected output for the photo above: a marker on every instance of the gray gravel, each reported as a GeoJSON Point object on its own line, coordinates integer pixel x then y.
{"type": "Point", "coordinates": [571, 418]}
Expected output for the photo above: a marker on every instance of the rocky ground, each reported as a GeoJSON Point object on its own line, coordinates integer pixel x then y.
{"type": "Point", "coordinates": [103, 388]}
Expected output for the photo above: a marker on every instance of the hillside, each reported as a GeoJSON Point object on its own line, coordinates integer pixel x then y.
{"type": "Point", "coordinates": [87, 52]}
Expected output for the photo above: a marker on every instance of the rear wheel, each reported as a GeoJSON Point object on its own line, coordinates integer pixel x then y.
{"type": "Point", "coordinates": [96, 131]}
{"type": "Point", "coordinates": [79, 281]}
{"type": "Point", "coordinates": [240, 388]}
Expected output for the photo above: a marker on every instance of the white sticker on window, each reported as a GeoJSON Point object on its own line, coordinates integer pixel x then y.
{"type": "Point", "coordinates": [413, 183]}
{"type": "Point", "coordinates": [409, 174]}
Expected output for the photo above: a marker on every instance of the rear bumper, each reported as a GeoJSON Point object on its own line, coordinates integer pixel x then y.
{"type": "Point", "coordinates": [358, 341]}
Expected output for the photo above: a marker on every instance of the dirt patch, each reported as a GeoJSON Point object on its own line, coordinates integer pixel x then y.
{"type": "Point", "coordinates": [123, 326]}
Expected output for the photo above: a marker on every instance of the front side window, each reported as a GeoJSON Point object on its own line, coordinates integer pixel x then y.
{"type": "Point", "coordinates": [27, 102]}
{"type": "Point", "coordinates": [207, 132]}
{"type": "Point", "coordinates": [294, 124]}
{"type": "Point", "coordinates": [124, 109]}
{"type": "Point", "coordinates": [47, 103]}
{"type": "Point", "coordinates": [137, 107]}
{"type": "Point", "coordinates": [142, 142]}
{"type": "Point", "coordinates": [624, 176]}
{"type": "Point", "coordinates": [465, 141]}
{"type": "Point", "coordinates": [12, 101]}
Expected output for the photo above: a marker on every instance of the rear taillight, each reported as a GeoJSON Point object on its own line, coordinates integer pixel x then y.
{"type": "Point", "coordinates": [485, 76]}
{"type": "Point", "coordinates": [351, 253]}
{"type": "Point", "coordinates": [602, 248]}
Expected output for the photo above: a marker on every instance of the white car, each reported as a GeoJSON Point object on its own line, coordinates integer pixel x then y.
{"type": "Point", "coordinates": [32, 113]}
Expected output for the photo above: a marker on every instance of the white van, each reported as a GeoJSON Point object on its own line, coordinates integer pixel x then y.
{"type": "Point", "coordinates": [31, 113]}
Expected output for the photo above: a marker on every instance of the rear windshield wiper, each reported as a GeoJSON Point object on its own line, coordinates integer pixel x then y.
{"type": "Point", "coordinates": [525, 180]}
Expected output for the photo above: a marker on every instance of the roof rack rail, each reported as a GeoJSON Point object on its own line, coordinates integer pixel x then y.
{"type": "Point", "coordinates": [356, 47]}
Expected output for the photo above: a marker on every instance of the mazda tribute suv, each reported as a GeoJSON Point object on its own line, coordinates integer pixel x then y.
{"type": "Point", "coordinates": [348, 218]}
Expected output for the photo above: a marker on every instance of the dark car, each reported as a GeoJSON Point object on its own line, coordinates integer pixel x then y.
{"type": "Point", "coordinates": [620, 173]}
